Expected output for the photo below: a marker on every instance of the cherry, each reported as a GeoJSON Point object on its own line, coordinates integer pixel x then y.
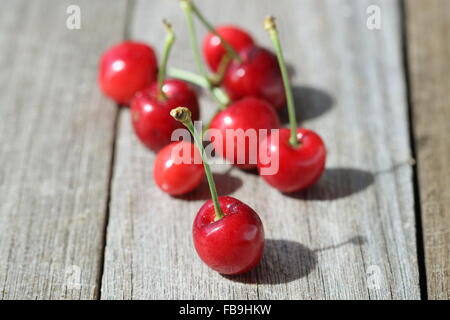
{"type": "Point", "coordinates": [178, 168]}
{"type": "Point", "coordinates": [228, 235]}
{"type": "Point", "coordinates": [150, 108]}
{"type": "Point", "coordinates": [213, 49]}
{"type": "Point", "coordinates": [233, 244]}
{"type": "Point", "coordinates": [150, 115]}
{"type": "Point", "coordinates": [126, 68]}
{"type": "Point", "coordinates": [298, 167]}
{"type": "Point", "coordinates": [247, 113]}
{"type": "Point", "coordinates": [257, 74]}
{"type": "Point", "coordinates": [300, 153]}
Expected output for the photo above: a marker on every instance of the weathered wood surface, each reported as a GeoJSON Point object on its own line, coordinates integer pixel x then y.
{"type": "Point", "coordinates": [428, 27]}
{"type": "Point", "coordinates": [350, 236]}
{"type": "Point", "coordinates": [56, 138]}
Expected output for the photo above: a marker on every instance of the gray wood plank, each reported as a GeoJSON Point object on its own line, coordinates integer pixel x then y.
{"type": "Point", "coordinates": [350, 236]}
{"type": "Point", "coordinates": [56, 138]}
{"type": "Point", "coordinates": [428, 26]}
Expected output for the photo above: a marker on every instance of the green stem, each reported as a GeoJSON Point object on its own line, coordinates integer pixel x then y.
{"type": "Point", "coordinates": [186, 5]}
{"type": "Point", "coordinates": [189, 77]}
{"type": "Point", "coordinates": [231, 52]}
{"type": "Point", "coordinates": [219, 95]}
{"type": "Point", "coordinates": [170, 39]}
{"type": "Point", "coordinates": [217, 78]}
{"type": "Point", "coordinates": [183, 115]}
{"type": "Point", "coordinates": [270, 26]}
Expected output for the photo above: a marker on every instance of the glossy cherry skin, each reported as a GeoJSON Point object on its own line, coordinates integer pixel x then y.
{"type": "Point", "coordinates": [299, 167]}
{"type": "Point", "coordinates": [247, 113]}
{"type": "Point", "coordinates": [125, 69]}
{"type": "Point", "coordinates": [258, 74]}
{"type": "Point", "coordinates": [151, 117]}
{"type": "Point", "coordinates": [213, 50]}
{"type": "Point", "coordinates": [178, 168]}
{"type": "Point", "coordinates": [233, 244]}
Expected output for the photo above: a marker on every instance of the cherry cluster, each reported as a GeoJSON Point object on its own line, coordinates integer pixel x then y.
{"type": "Point", "coordinates": [250, 85]}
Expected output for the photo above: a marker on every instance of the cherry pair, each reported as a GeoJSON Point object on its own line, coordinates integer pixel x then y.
{"type": "Point", "coordinates": [228, 235]}
{"type": "Point", "coordinates": [254, 70]}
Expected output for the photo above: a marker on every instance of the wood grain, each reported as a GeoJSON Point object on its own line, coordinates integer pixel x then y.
{"type": "Point", "coordinates": [352, 236]}
{"type": "Point", "coordinates": [428, 29]}
{"type": "Point", "coordinates": [56, 138]}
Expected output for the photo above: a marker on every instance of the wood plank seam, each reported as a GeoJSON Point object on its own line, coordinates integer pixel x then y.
{"type": "Point", "coordinates": [417, 200]}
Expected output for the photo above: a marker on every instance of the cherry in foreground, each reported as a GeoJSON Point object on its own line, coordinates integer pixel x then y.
{"type": "Point", "coordinates": [228, 235]}
{"type": "Point", "coordinates": [301, 153]}
{"type": "Point", "coordinates": [178, 168]}
{"type": "Point", "coordinates": [233, 244]}
{"type": "Point", "coordinates": [126, 68]}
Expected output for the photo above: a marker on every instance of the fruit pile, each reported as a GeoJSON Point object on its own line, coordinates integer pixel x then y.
{"type": "Point", "coordinates": [250, 85]}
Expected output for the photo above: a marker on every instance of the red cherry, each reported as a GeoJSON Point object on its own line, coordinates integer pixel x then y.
{"type": "Point", "coordinates": [151, 115]}
{"type": "Point", "coordinates": [247, 113]}
{"type": "Point", "coordinates": [298, 167]}
{"type": "Point", "coordinates": [213, 50]}
{"type": "Point", "coordinates": [258, 74]}
{"type": "Point", "coordinates": [178, 168]}
{"type": "Point", "coordinates": [126, 68]}
{"type": "Point", "coordinates": [235, 243]}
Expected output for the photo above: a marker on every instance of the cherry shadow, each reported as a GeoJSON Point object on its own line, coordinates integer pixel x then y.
{"type": "Point", "coordinates": [285, 261]}
{"type": "Point", "coordinates": [225, 184]}
{"type": "Point", "coordinates": [336, 183]}
{"type": "Point", "coordinates": [310, 103]}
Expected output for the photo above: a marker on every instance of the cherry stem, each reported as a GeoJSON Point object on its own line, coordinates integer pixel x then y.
{"type": "Point", "coordinates": [217, 78]}
{"type": "Point", "coordinates": [229, 49]}
{"type": "Point", "coordinates": [187, 7]}
{"type": "Point", "coordinates": [170, 39]}
{"type": "Point", "coordinates": [270, 26]}
{"type": "Point", "coordinates": [219, 95]}
{"type": "Point", "coordinates": [184, 116]}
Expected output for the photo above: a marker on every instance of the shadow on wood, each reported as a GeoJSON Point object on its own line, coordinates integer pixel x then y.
{"type": "Point", "coordinates": [337, 183]}
{"type": "Point", "coordinates": [310, 103]}
{"type": "Point", "coordinates": [285, 261]}
{"type": "Point", "coordinates": [225, 184]}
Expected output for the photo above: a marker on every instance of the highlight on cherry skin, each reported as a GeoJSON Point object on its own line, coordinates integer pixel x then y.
{"type": "Point", "coordinates": [233, 244]}
{"type": "Point", "coordinates": [249, 113]}
{"type": "Point", "coordinates": [126, 68]}
{"type": "Point", "coordinates": [213, 49]}
{"type": "Point", "coordinates": [257, 74]}
{"type": "Point", "coordinates": [150, 114]}
{"type": "Point", "coordinates": [178, 168]}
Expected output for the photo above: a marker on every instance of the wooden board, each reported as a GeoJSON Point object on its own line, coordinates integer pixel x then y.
{"type": "Point", "coordinates": [56, 138]}
{"type": "Point", "coordinates": [350, 236]}
{"type": "Point", "coordinates": [428, 29]}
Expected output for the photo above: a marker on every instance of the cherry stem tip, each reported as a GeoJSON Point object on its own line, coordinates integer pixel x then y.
{"type": "Point", "coordinates": [181, 114]}
{"type": "Point", "coordinates": [269, 23]}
